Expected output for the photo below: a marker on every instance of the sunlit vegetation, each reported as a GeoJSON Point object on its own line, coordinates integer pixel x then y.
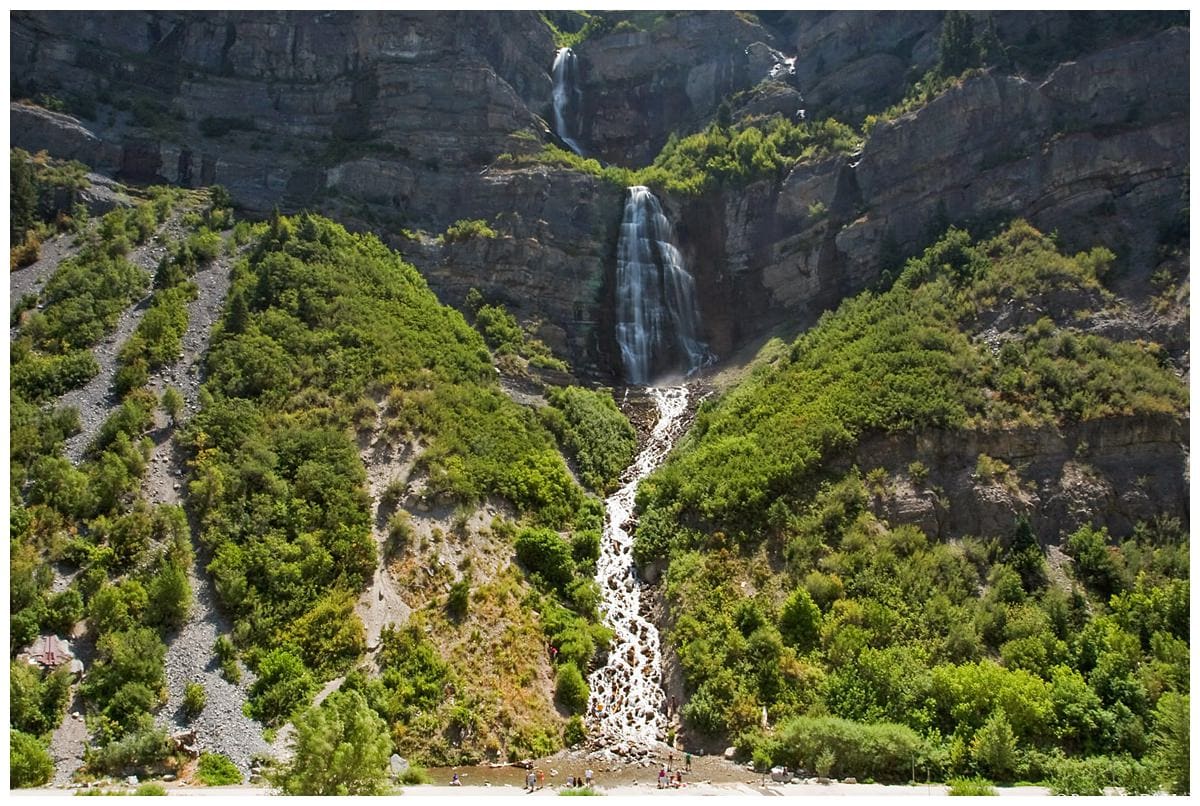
{"type": "Point", "coordinates": [965, 658]}
{"type": "Point", "coordinates": [318, 321]}
{"type": "Point", "coordinates": [905, 359]}
{"type": "Point", "coordinates": [42, 197]}
{"type": "Point", "coordinates": [593, 432]}
{"type": "Point", "coordinates": [508, 340]}
{"type": "Point", "coordinates": [129, 559]}
{"type": "Point", "coordinates": [719, 156]}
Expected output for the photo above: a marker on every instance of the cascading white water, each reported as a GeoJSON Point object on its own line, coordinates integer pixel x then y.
{"type": "Point", "coordinates": [567, 98]}
{"type": "Point", "coordinates": [625, 711]}
{"type": "Point", "coordinates": [658, 328]}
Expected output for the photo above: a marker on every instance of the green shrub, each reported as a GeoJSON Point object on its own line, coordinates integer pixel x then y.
{"type": "Point", "coordinates": [416, 776]}
{"type": "Point", "coordinates": [215, 769]}
{"type": "Point", "coordinates": [29, 762]}
{"type": "Point", "coordinates": [138, 749]}
{"type": "Point", "coordinates": [150, 788]}
{"type": "Point", "coordinates": [594, 433]}
{"type": "Point", "coordinates": [800, 620]}
{"type": "Point", "coordinates": [459, 598]}
{"type": "Point", "coordinates": [360, 746]}
{"type": "Point", "coordinates": [995, 747]}
{"type": "Point", "coordinates": [882, 751]}
{"type": "Point", "coordinates": [1073, 776]}
{"type": "Point", "coordinates": [970, 787]}
{"type": "Point", "coordinates": [574, 732]}
{"type": "Point", "coordinates": [464, 229]}
{"type": "Point", "coordinates": [500, 329]}
{"type": "Point", "coordinates": [170, 598]}
{"type": "Point", "coordinates": [1171, 740]}
{"type": "Point", "coordinates": [570, 689]}
{"type": "Point", "coordinates": [283, 686]}
{"type": "Point", "coordinates": [579, 792]}
{"type": "Point", "coordinates": [194, 699]}
{"type": "Point", "coordinates": [544, 553]}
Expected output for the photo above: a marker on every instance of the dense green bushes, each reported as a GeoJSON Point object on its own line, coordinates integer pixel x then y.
{"type": "Point", "coordinates": [282, 687]}
{"type": "Point", "coordinates": [787, 592]}
{"type": "Point", "coordinates": [341, 748]}
{"type": "Point", "coordinates": [718, 156]}
{"type": "Point", "coordinates": [904, 359]}
{"type": "Point", "coordinates": [881, 751]}
{"type": "Point", "coordinates": [36, 699]}
{"type": "Point", "coordinates": [215, 769]}
{"type": "Point", "coordinates": [319, 320]}
{"type": "Point", "coordinates": [29, 762]}
{"type": "Point", "coordinates": [594, 433]}
{"type": "Point", "coordinates": [570, 689]}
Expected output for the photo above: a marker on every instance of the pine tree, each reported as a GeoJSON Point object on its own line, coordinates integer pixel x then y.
{"type": "Point", "coordinates": [957, 47]}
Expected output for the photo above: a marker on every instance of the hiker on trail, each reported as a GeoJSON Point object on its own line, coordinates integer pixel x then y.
{"type": "Point", "coordinates": [587, 776]}
{"type": "Point", "coordinates": [662, 777]}
{"type": "Point", "coordinates": [541, 777]}
{"type": "Point", "coordinates": [530, 780]}
{"type": "Point", "coordinates": [687, 761]}
{"type": "Point", "coordinates": [670, 760]}
{"type": "Point", "coordinates": [454, 781]}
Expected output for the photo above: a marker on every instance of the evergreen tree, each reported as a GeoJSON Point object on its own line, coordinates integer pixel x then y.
{"type": "Point", "coordinates": [957, 47]}
{"type": "Point", "coordinates": [22, 195]}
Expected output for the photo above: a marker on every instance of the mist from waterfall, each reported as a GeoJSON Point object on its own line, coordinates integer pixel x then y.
{"type": "Point", "coordinates": [658, 324]}
{"type": "Point", "coordinates": [568, 98]}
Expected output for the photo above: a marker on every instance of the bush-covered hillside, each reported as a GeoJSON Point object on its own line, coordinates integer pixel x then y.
{"type": "Point", "coordinates": [85, 543]}
{"type": "Point", "coordinates": [972, 656]}
{"type": "Point", "coordinates": [907, 358]}
{"type": "Point", "coordinates": [326, 336]}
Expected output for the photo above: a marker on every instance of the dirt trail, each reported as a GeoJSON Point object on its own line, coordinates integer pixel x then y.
{"type": "Point", "coordinates": [68, 742]}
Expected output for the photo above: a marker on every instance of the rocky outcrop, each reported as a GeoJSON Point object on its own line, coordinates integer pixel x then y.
{"type": "Point", "coordinates": [1113, 472]}
{"type": "Point", "coordinates": [640, 86]}
{"type": "Point", "coordinates": [1096, 152]}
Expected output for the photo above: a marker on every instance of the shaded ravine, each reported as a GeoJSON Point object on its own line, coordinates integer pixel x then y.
{"type": "Point", "coordinates": [626, 714]}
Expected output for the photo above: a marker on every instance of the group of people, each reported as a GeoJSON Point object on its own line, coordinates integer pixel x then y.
{"type": "Point", "coordinates": [536, 779]}
{"type": "Point", "coordinates": [667, 780]}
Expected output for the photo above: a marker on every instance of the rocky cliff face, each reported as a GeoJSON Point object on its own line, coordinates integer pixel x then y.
{"type": "Point", "coordinates": [639, 86]}
{"type": "Point", "coordinates": [1114, 472]}
{"type": "Point", "coordinates": [393, 121]}
{"type": "Point", "coordinates": [1097, 152]}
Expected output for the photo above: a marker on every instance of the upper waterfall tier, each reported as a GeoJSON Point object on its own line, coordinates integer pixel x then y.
{"type": "Point", "coordinates": [568, 98]}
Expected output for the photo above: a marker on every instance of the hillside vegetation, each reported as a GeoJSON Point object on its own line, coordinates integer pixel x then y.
{"type": "Point", "coordinates": [121, 561]}
{"type": "Point", "coordinates": [324, 333]}
{"type": "Point", "coordinates": [785, 591]}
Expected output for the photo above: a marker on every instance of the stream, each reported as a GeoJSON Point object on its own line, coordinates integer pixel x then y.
{"type": "Point", "coordinates": [626, 714]}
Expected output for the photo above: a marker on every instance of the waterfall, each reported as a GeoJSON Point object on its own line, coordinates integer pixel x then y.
{"type": "Point", "coordinates": [625, 710]}
{"type": "Point", "coordinates": [658, 327]}
{"type": "Point", "coordinates": [568, 98]}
